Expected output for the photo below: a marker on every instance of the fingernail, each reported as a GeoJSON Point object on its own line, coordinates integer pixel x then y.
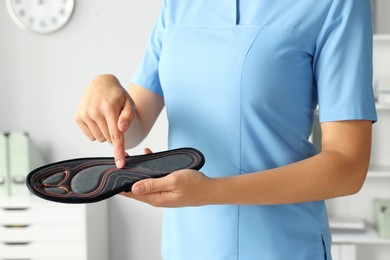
{"type": "Point", "coordinates": [119, 163]}
{"type": "Point", "coordinates": [124, 126]}
{"type": "Point", "coordinates": [138, 189]}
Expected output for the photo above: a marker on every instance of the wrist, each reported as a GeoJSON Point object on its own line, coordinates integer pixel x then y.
{"type": "Point", "coordinates": [217, 191]}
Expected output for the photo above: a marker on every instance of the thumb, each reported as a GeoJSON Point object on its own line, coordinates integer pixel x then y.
{"type": "Point", "coordinates": [149, 186]}
{"type": "Point", "coordinates": [126, 115]}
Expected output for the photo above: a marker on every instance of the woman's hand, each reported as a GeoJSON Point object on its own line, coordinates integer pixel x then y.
{"type": "Point", "coordinates": [178, 189]}
{"type": "Point", "coordinates": [105, 113]}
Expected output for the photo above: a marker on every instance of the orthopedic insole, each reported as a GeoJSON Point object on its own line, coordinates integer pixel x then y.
{"type": "Point", "coordinates": [87, 180]}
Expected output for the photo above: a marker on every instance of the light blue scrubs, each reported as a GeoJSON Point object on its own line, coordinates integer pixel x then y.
{"type": "Point", "coordinates": [241, 81]}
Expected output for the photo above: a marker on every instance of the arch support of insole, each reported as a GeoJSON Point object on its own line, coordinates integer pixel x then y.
{"type": "Point", "coordinates": [86, 180]}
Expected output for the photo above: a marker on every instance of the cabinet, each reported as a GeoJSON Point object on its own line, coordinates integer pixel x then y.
{"type": "Point", "coordinates": [31, 228]}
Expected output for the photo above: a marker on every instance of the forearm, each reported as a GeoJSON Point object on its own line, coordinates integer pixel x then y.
{"type": "Point", "coordinates": [148, 106]}
{"type": "Point", "coordinates": [326, 175]}
{"type": "Point", "coordinates": [339, 170]}
{"type": "Point", "coordinates": [135, 134]}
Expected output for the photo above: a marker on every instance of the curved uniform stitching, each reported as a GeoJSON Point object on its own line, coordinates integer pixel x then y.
{"type": "Point", "coordinates": [314, 62]}
{"type": "Point", "coordinates": [240, 132]}
{"type": "Point", "coordinates": [294, 29]}
{"type": "Point", "coordinates": [287, 28]}
{"type": "Point", "coordinates": [325, 18]}
{"type": "Point", "coordinates": [240, 93]}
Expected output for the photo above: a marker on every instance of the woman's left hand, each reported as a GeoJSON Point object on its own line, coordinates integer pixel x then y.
{"type": "Point", "coordinates": [178, 189]}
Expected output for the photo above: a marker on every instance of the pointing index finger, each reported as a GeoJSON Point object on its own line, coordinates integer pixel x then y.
{"type": "Point", "coordinates": [118, 142]}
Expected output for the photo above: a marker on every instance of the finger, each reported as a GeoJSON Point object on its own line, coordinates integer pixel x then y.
{"type": "Point", "coordinates": [148, 186]}
{"type": "Point", "coordinates": [117, 140]}
{"type": "Point", "coordinates": [103, 128]}
{"type": "Point", "coordinates": [154, 199]}
{"type": "Point", "coordinates": [126, 115]}
{"type": "Point", "coordinates": [85, 129]}
{"type": "Point", "coordinates": [80, 119]}
{"type": "Point", "coordinates": [147, 151]}
{"type": "Point", "coordinates": [95, 130]}
{"type": "Point", "coordinates": [118, 145]}
{"type": "Point", "coordinates": [88, 122]}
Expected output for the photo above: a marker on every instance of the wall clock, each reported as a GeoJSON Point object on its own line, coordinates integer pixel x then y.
{"type": "Point", "coordinates": [40, 16]}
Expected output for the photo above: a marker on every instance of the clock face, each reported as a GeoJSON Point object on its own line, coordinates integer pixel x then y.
{"type": "Point", "coordinates": [40, 16]}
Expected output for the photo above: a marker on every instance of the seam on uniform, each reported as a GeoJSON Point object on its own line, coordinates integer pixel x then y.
{"type": "Point", "coordinates": [238, 231]}
{"type": "Point", "coordinates": [230, 27]}
{"type": "Point", "coordinates": [322, 250]}
{"type": "Point", "coordinates": [240, 92]}
{"type": "Point", "coordinates": [240, 133]}
{"type": "Point", "coordinates": [325, 18]}
{"type": "Point", "coordinates": [288, 28]}
{"type": "Point", "coordinates": [315, 53]}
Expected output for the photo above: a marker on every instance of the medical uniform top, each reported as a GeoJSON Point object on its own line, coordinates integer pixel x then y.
{"type": "Point", "coordinates": [241, 81]}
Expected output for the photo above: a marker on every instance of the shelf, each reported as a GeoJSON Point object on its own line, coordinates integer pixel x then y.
{"type": "Point", "coordinates": [367, 237]}
{"type": "Point", "coordinates": [378, 106]}
{"type": "Point", "coordinates": [381, 37]}
{"type": "Point", "coordinates": [33, 228]}
{"type": "Point", "coordinates": [378, 172]}
{"type": "Point", "coordinates": [381, 106]}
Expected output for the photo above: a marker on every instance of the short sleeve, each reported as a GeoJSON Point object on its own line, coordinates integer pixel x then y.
{"type": "Point", "coordinates": [343, 63]}
{"type": "Point", "coordinates": [147, 74]}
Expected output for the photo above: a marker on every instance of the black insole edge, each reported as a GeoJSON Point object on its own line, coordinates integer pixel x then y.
{"type": "Point", "coordinates": [50, 180]}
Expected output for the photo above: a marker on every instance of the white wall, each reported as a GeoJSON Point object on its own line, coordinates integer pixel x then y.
{"type": "Point", "coordinates": [42, 78]}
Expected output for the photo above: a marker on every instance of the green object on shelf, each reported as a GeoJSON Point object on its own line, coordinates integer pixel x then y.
{"type": "Point", "coordinates": [382, 208]}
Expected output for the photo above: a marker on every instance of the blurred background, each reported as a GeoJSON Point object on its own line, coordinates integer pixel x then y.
{"type": "Point", "coordinates": [42, 79]}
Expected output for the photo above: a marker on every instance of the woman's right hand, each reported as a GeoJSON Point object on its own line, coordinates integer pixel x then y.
{"type": "Point", "coordinates": [105, 113]}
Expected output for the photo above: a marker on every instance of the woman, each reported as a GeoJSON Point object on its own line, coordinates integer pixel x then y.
{"type": "Point", "coordinates": [240, 81]}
